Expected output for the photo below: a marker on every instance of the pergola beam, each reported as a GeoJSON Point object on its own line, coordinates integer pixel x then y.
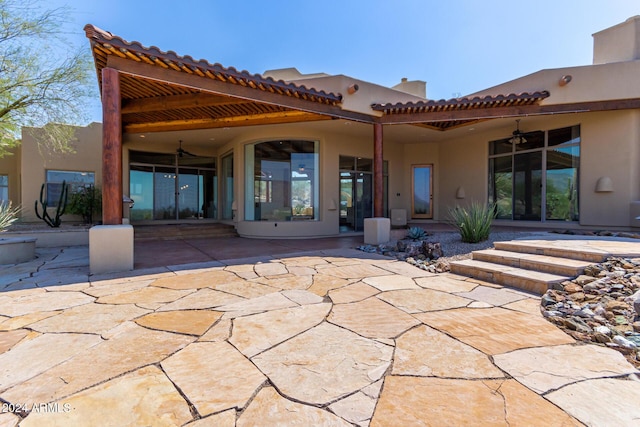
{"type": "Point", "coordinates": [234, 121]}
{"type": "Point", "coordinates": [218, 87]}
{"type": "Point", "coordinates": [175, 102]}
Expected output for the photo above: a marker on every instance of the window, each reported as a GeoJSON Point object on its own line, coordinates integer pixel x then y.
{"type": "Point", "coordinates": [73, 179]}
{"type": "Point", "coordinates": [4, 188]}
{"type": "Point", "coordinates": [538, 179]}
{"type": "Point", "coordinates": [421, 191]}
{"type": "Point", "coordinates": [282, 181]}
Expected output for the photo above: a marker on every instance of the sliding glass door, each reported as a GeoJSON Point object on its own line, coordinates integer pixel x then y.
{"type": "Point", "coordinates": [186, 188]}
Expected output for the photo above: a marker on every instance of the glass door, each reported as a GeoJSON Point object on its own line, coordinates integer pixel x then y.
{"type": "Point", "coordinates": [527, 186]}
{"type": "Point", "coordinates": [227, 187]}
{"type": "Point", "coordinates": [164, 192]}
{"type": "Point", "coordinates": [356, 202]}
{"type": "Point", "coordinates": [421, 191]}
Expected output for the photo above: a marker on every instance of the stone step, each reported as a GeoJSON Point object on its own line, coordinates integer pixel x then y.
{"type": "Point", "coordinates": [543, 263]}
{"type": "Point", "coordinates": [528, 280]}
{"type": "Point", "coordinates": [541, 247]}
{"type": "Point", "coordinates": [183, 231]}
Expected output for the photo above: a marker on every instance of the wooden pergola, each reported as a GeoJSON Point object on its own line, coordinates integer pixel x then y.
{"type": "Point", "coordinates": [144, 89]}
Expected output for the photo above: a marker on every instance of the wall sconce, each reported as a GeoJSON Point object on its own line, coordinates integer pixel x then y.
{"type": "Point", "coordinates": [604, 185]}
{"type": "Point", "coordinates": [460, 194]}
{"type": "Point", "coordinates": [234, 206]}
{"type": "Point", "coordinates": [332, 205]}
{"type": "Point", "coordinates": [564, 80]}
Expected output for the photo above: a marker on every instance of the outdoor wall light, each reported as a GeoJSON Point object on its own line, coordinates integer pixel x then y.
{"type": "Point", "coordinates": [604, 185]}
{"type": "Point", "coordinates": [460, 194]}
{"type": "Point", "coordinates": [332, 205]}
{"type": "Point", "coordinates": [564, 80]}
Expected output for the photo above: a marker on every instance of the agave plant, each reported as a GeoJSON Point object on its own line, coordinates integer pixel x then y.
{"type": "Point", "coordinates": [8, 215]}
{"type": "Point", "coordinates": [474, 222]}
{"type": "Point", "coordinates": [416, 233]}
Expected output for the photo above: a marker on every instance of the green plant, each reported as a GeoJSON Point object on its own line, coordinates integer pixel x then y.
{"type": "Point", "coordinates": [8, 215]}
{"type": "Point", "coordinates": [416, 233]}
{"type": "Point", "coordinates": [86, 202]}
{"type": "Point", "coordinates": [474, 222]}
{"type": "Point", "coordinates": [60, 208]}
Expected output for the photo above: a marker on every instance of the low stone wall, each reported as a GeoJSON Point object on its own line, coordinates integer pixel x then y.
{"type": "Point", "coordinates": [77, 236]}
{"type": "Point", "coordinates": [16, 250]}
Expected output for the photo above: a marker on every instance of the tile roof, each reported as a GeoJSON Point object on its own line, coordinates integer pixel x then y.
{"type": "Point", "coordinates": [104, 44]}
{"type": "Point", "coordinates": [457, 104]}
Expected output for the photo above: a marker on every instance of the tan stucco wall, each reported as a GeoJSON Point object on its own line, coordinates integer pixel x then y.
{"type": "Point", "coordinates": [34, 164]}
{"type": "Point", "coordinates": [610, 144]}
{"type": "Point", "coordinates": [588, 83]}
{"type": "Point", "coordinates": [10, 166]}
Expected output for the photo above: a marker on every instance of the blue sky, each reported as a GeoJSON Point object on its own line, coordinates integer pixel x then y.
{"type": "Point", "coordinates": [457, 46]}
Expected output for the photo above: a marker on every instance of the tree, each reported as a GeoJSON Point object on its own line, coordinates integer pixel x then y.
{"type": "Point", "coordinates": [44, 82]}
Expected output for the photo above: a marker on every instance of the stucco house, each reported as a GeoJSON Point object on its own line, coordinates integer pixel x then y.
{"type": "Point", "coordinates": [285, 154]}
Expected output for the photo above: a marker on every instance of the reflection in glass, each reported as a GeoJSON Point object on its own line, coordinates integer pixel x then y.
{"type": "Point", "coordinates": [421, 197]}
{"type": "Point", "coordinates": [562, 183]}
{"type": "Point", "coordinates": [501, 186]}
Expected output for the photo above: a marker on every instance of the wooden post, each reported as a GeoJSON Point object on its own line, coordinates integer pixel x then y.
{"type": "Point", "coordinates": [378, 165]}
{"type": "Point", "coordinates": [111, 148]}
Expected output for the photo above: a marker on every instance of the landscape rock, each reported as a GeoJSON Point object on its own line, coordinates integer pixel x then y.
{"type": "Point", "coordinates": [605, 311]}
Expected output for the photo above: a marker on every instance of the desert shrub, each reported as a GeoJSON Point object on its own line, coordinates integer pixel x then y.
{"type": "Point", "coordinates": [86, 202]}
{"type": "Point", "coordinates": [473, 222]}
{"type": "Point", "coordinates": [8, 215]}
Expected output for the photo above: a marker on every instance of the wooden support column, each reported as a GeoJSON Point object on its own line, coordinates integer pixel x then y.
{"type": "Point", "coordinates": [378, 165]}
{"type": "Point", "coordinates": [111, 148]}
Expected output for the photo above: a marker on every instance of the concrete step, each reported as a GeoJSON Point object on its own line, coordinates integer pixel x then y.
{"type": "Point", "coordinates": [183, 231]}
{"type": "Point", "coordinates": [543, 263]}
{"type": "Point", "coordinates": [553, 249]}
{"type": "Point", "coordinates": [528, 280]}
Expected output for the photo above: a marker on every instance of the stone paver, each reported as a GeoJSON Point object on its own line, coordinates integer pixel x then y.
{"type": "Point", "coordinates": [560, 365]}
{"type": "Point", "coordinates": [446, 283]}
{"type": "Point", "coordinates": [593, 402]}
{"type": "Point", "coordinates": [437, 401]}
{"type": "Point", "coordinates": [392, 282]}
{"type": "Point", "coordinates": [131, 348]}
{"type": "Point", "coordinates": [421, 300]}
{"type": "Point", "coordinates": [40, 301]}
{"type": "Point", "coordinates": [425, 352]}
{"type": "Point", "coordinates": [493, 296]}
{"type": "Point", "coordinates": [151, 399]}
{"type": "Point", "coordinates": [213, 376]}
{"type": "Point", "coordinates": [268, 408]}
{"type": "Point", "coordinates": [89, 318]}
{"type": "Point", "coordinates": [324, 364]}
{"type": "Point", "coordinates": [352, 293]}
{"type": "Point", "coordinates": [496, 330]}
{"type": "Point", "coordinates": [372, 318]}
{"type": "Point", "coordinates": [332, 337]}
{"type": "Point", "coordinates": [254, 334]}
{"type": "Point", "coordinates": [190, 322]}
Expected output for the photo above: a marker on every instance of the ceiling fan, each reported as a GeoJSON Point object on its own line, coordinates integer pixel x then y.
{"type": "Point", "coordinates": [181, 152]}
{"type": "Point", "coordinates": [518, 137]}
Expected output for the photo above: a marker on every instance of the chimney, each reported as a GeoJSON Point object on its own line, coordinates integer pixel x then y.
{"type": "Point", "coordinates": [619, 43]}
{"type": "Point", "coordinates": [413, 87]}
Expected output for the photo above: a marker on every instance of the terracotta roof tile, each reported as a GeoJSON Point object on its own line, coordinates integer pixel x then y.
{"type": "Point", "coordinates": [105, 43]}
{"type": "Point", "coordinates": [455, 104]}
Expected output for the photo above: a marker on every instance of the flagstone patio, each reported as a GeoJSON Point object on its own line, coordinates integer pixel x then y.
{"type": "Point", "coordinates": [330, 337]}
